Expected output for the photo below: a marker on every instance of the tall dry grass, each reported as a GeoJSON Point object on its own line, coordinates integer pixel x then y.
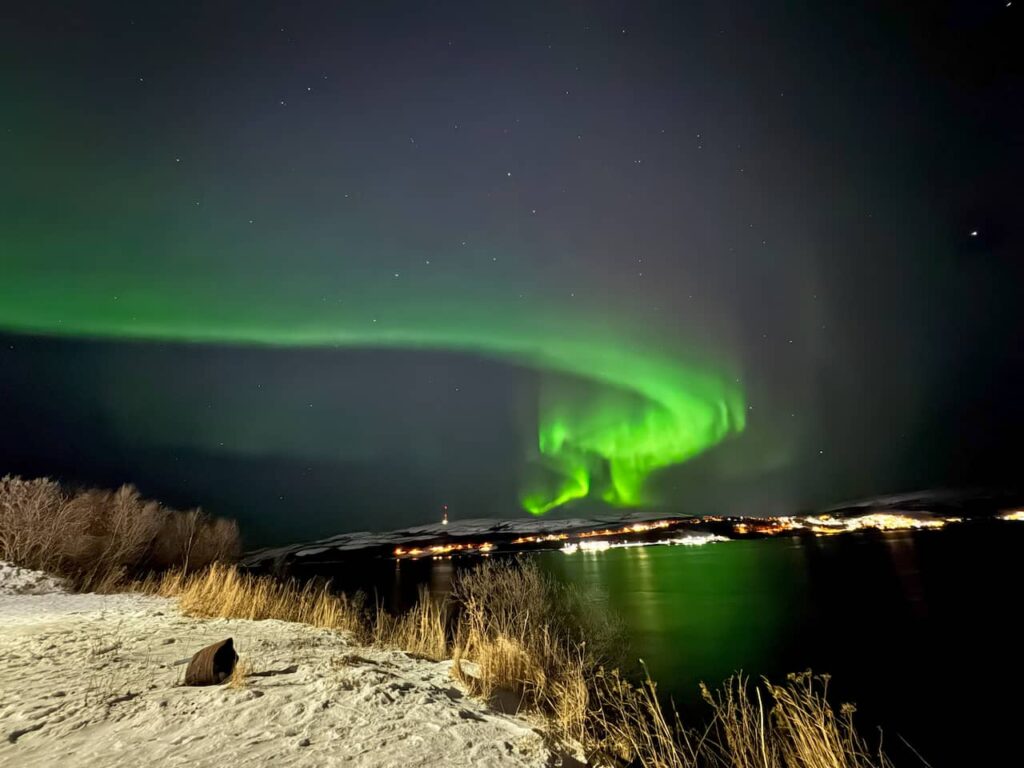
{"type": "Point", "coordinates": [528, 642]}
{"type": "Point", "coordinates": [224, 591]}
{"type": "Point", "coordinates": [421, 631]}
{"type": "Point", "coordinates": [752, 725]}
{"type": "Point", "coordinates": [99, 539]}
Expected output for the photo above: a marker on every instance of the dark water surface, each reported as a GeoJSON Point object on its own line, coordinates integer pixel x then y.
{"type": "Point", "coordinates": [920, 629]}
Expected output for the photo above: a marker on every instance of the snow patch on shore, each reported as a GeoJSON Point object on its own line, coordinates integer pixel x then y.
{"type": "Point", "coordinates": [22, 581]}
{"type": "Point", "coordinates": [95, 680]}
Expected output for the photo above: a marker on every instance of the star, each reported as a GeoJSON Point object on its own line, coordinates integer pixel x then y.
{"type": "Point", "coordinates": [974, 233]}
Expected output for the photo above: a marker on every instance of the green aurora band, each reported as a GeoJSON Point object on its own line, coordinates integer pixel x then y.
{"type": "Point", "coordinates": [640, 408]}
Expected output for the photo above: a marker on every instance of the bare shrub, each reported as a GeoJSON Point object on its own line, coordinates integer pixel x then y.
{"type": "Point", "coordinates": [36, 524]}
{"type": "Point", "coordinates": [120, 527]}
{"type": "Point", "coordinates": [191, 540]}
{"type": "Point", "coordinates": [99, 539]}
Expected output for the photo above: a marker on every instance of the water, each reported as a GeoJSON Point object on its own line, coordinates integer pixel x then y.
{"type": "Point", "coordinates": [918, 628]}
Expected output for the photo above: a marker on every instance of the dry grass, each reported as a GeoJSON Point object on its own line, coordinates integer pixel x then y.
{"type": "Point", "coordinates": [223, 591]}
{"type": "Point", "coordinates": [421, 631]}
{"type": "Point", "coordinates": [240, 674]}
{"type": "Point", "coordinates": [100, 539]}
{"type": "Point", "coordinates": [752, 726]}
{"type": "Point", "coordinates": [538, 643]}
{"type": "Point", "coordinates": [808, 732]}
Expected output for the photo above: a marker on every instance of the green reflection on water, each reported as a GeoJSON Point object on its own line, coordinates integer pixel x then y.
{"type": "Point", "coordinates": [697, 613]}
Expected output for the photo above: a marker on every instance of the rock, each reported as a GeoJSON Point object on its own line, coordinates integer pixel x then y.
{"type": "Point", "coordinates": [212, 665]}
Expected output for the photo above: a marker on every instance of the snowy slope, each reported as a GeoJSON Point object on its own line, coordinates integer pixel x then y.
{"type": "Point", "coordinates": [94, 680]}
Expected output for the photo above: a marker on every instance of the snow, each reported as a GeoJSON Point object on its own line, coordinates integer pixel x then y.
{"type": "Point", "coordinates": [95, 680]}
{"type": "Point", "coordinates": [22, 581]}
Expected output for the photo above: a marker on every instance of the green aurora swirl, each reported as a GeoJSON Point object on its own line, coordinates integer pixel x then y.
{"type": "Point", "coordinates": [643, 409]}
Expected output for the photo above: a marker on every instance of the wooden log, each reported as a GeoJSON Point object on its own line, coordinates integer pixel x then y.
{"type": "Point", "coordinates": [212, 665]}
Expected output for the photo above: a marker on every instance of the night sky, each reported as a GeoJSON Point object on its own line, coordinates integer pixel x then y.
{"type": "Point", "coordinates": [324, 266]}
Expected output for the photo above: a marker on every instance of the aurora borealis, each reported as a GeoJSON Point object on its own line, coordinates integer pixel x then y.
{"type": "Point", "coordinates": [336, 265]}
{"type": "Point", "coordinates": [648, 411]}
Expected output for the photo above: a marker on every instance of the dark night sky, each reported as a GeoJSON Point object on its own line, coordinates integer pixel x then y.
{"type": "Point", "coordinates": [325, 266]}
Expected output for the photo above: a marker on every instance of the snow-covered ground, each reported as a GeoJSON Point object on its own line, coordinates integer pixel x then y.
{"type": "Point", "coordinates": [95, 680]}
{"type": "Point", "coordinates": [22, 581]}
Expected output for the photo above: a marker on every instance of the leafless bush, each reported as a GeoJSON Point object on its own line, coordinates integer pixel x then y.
{"type": "Point", "coordinates": [100, 538]}
{"type": "Point", "coordinates": [36, 524]}
{"type": "Point", "coordinates": [192, 540]}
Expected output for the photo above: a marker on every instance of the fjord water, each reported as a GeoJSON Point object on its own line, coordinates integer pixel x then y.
{"type": "Point", "coordinates": [919, 629]}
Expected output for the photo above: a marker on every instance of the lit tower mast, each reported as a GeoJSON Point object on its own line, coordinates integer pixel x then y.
{"type": "Point", "coordinates": [444, 516]}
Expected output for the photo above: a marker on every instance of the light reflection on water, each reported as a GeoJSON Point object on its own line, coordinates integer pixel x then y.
{"type": "Point", "coordinates": [696, 613]}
